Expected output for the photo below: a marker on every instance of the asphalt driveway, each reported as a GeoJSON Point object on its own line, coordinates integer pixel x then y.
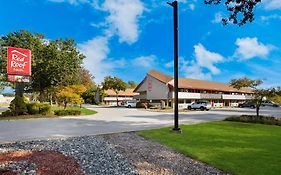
{"type": "Point", "coordinates": [109, 120]}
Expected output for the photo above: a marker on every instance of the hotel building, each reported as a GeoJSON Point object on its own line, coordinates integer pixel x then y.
{"type": "Point", "coordinates": [157, 87]}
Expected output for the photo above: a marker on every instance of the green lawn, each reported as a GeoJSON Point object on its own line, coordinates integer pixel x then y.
{"type": "Point", "coordinates": [238, 148]}
{"type": "Point", "coordinates": [84, 111]}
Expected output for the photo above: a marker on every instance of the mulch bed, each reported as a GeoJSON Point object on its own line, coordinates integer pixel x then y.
{"type": "Point", "coordinates": [47, 162]}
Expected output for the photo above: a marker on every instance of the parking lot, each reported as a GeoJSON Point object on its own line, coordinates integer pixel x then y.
{"type": "Point", "coordinates": [112, 120]}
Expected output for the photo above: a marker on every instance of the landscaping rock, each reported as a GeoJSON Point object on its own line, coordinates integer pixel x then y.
{"type": "Point", "coordinates": [124, 153]}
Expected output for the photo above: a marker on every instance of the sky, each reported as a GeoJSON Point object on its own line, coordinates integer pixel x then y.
{"type": "Point", "coordinates": [128, 38]}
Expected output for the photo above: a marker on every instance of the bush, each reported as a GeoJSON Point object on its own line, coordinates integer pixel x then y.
{"type": "Point", "coordinates": [38, 108]}
{"type": "Point", "coordinates": [255, 119]}
{"type": "Point", "coordinates": [67, 112]}
{"type": "Point", "coordinates": [33, 108]}
{"type": "Point", "coordinates": [18, 106]}
{"type": "Point", "coordinates": [142, 104]}
{"type": "Point", "coordinates": [7, 113]}
{"type": "Point", "coordinates": [44, 109]}
{"type": "Point", "coordinates": [168, 108]}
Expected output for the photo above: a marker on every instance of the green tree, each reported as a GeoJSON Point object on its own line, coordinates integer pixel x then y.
{"type": "Point", "coordinates": [259, 93]}
{"type": "Point", "coordinates": [21, 39]}
{"type": "Point", "coordinates": [54, 63]}
{"type": "Point", "coordinates": [114, 83]}
{"type": "Point", "coordinates": [131, 84]}
{"type": "Point", "coordinates": [240, 11]}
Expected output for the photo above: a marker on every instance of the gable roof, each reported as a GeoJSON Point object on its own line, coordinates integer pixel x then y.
{"type": "Point", "coordinates": [127, 92]}
{"type": "Point", "coordinates": [193, 84]}
{"type": "Point", "coordinates": [208, 85]}
{"type": "Point", "coordinates": [160, 76]}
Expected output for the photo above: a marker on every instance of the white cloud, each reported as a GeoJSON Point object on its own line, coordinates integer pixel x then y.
{"type": "Point", "coordinates": [218, 18]}
{"type": "Point", "coordinates": [123, 18]}
{"type": "Point", "coordinates": [96, 51]}
{"type": "Point", "coordinates": [270, 17]}
{"type": "Point", "coordinates": [145, 61]}
{"type": "Point", "coordinates": [195, 71]}
{"type": "Point", "coordinates": [72, 2]}
{"type": "Point", "coordinates": [191, 6]}
{"type": "Point", "coordinates": [207, 59]}
{"type": "Point", "coordinates": [202, 66]}
{"type": "Point", "coordinates": [272, 4]}
{"type": "Point", "coordinates": [250, 48]}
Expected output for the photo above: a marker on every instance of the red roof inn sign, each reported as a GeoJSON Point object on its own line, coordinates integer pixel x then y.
{"type": "Point", "coordinates": [18, 64]}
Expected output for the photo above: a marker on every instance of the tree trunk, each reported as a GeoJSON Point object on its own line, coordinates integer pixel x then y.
{"type": "Point", "coordinates": [258, 111]}
{"type": "Point", "coordinates": [117, 100]}
{"type": "Point", "coordinates": [51, 99]}
{"type": "Point", "coordinates": [65, 105]}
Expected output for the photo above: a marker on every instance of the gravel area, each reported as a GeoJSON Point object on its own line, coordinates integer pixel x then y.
{"type": "Point", "coordinates": [152, 158]}
{"type": "Point", "coordinates": [113, 154]}
{"type": "Point", "coordinates": [93, 154]}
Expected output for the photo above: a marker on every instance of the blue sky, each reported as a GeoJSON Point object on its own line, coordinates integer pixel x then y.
{"type": "Point", "coordinates": [127, 38]}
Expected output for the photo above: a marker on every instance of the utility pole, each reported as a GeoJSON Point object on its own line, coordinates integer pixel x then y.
{"type": "Point", "coordinates": [176, 73]}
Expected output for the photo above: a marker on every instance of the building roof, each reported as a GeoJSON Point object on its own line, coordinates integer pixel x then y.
{"type": "Point", "coordinates": [127, 93]}
{"type": "Point", "coordinates": [160, 76]}
{"type": "Point", "coordinates": [194, 84]}
{"type": "Point", "coordinates": [208, 85]}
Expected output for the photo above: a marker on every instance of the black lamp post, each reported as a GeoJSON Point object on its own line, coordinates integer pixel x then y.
{"type": "Point", "coordinates": [176, 74]}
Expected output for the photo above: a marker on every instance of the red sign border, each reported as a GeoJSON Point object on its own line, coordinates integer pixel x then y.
{"type": "Point", "coordinates": [29, 59]}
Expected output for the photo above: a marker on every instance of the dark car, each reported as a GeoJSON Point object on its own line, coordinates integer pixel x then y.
{"type": "Point", "coordinates": [247, 105]}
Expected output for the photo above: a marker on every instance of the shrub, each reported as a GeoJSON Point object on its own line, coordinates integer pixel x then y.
{"type": "Point", "coordinates": [255, 119]}
{"type": "Point", "coordinates": [44, 109]}
{"type": "Point", "coordinates": [67, 112]}
{"type": "Point", "coordinates": [7, 113]}
{"type": "Point", "coordinates": [168, 108]}
{"type": "Point", "coordinates": [38, 108]}
{"type": "Point", "coordinates": [33, 108]}
{"type": "Point", "coordinates": [142, 104]}
{"type": "Point", "coordinates": [18, 106]}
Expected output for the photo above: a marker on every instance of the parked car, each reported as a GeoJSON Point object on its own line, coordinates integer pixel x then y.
{"type": "Point", "coordinates": [247, 104]}
{"type": "Point", "coordinates": [270, 103]}
{"type": "Point", "coordinates": [200, 105]}
{"type": "Point", "coordinates": [130, 104]}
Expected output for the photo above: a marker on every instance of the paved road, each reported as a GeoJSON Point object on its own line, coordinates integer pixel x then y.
{"type": "Point", "coordinates": [109, 120]}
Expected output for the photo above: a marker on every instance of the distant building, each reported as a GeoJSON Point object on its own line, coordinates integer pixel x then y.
{"type": "Point", "coordinates": [111, 97]}
{"type": "Point", "coordinates": [157, 87]}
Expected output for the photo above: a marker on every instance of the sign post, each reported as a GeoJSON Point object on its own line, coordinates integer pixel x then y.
{"type": "Point", "coordinates": [18, 67]}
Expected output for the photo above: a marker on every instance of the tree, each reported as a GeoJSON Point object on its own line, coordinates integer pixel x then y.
{"type": "Point", "coordinates": [54, 63]}
{"type": "Point", "coordinates": [86, 78]}
{"type": "Point", "coordinates": [241, 11]}
{"type": "Point", "coordinates": [131, 84]}
{"type": "Point", "coordinates": [21, 39]}
{"type": "Point", "coordinates": [277, 97]}
{"type": "Point", "coordinates": [259, 93]}
{"type": "Point", "coordinates": [114, 83]}
{"type": "Point", "coordinates": [70, 94]}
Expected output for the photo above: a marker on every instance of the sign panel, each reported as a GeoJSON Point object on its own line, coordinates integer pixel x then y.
{"type": "Point", "coordinates": [19, 61]}
{"type": "Point", "coordinates": [19, 78]}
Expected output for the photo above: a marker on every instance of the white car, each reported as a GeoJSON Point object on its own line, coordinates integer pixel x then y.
{"type": "Point", "coordinates": [130, 104]}
{"type": "Point", "coordinates": [200, 105]}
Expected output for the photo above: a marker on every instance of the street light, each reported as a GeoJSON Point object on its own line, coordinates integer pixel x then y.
{"type": "Point", "coordinates": [176, 74]}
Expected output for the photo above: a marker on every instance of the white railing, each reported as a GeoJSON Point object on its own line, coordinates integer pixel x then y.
{"type": "Point", "coordinates": [115, 99]}
{"type": "Point", "coordinates": [185, 95]}
{"type": "Point", "coordinates": [234, 97]}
